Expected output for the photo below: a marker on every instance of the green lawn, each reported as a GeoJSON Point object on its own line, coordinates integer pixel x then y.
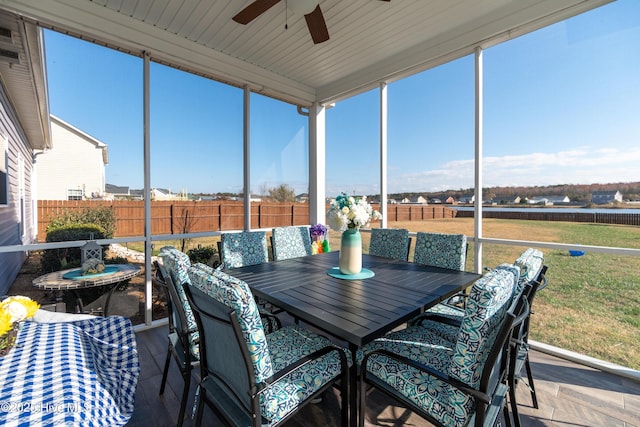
{"type": "Point", "coordinates": [592, 303]}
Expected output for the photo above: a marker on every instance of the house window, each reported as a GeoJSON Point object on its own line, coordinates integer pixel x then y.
{"type": "Point", "coordinates": [74, 194]}
{"type": "Point", "coordinates": [4, 166]}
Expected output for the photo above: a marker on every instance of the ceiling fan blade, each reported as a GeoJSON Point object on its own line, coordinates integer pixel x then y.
{"type": "Point", "coordinates": [317, 26]}
{"type": "Point", "coordinates": [255, 9]}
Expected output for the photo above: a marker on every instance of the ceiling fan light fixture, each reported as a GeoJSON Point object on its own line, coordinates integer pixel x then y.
{"type": "Point", "coordinates": [302, 7]}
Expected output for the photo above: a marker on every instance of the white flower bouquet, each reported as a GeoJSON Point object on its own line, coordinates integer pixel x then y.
{"type": "Point", "coordinates": [350, 212]}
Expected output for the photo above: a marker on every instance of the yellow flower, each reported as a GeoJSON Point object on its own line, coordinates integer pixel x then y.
{"type": "Point", "coordinates": [5, 321]}
{"type": "Point", "coordinates": [19, 307]}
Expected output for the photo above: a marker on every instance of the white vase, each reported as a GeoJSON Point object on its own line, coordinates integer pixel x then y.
{"type": "Point", "coordinates": [350, 252]}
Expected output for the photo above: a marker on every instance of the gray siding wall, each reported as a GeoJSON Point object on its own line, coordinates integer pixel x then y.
{"type": "Point", "coordinates": [17, 219]}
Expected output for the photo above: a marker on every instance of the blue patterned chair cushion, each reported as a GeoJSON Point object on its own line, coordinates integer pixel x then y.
{"type": "Point", "coordinates": [244, 248]}
{"type": "Point", "coordinates": [447, 310]}
{"type": "Point", "coordinates": [234, 295]}
{"type": "Point", "coordinates": [291, 242]}
{"type": "Point", "coordinates": [415, 343]}
{"type": "Point", "coordinates": [443, 330]}
{"type": "Point", "coordinates": [389, 243]}
{"type": "Point", "coordinates": [530, 264]}
{"type": "Point", "coordinates": [176, 264]}
{"type": "Point", "coordinates": [441, 400]}
{"type": "Point", "coordinates": [286, 346]}
{"type": "Point", "coordinates": [269, 321]}
{"type": "Point", "coordinates": [207, 268]}
{"type": "Point", "coordinates": [441, 250]}
{"type": "Point", "coordinates": [487, 305]}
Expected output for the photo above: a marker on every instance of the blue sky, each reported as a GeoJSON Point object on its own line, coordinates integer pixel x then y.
{"type": "Point", "coordinates": [561, 107]}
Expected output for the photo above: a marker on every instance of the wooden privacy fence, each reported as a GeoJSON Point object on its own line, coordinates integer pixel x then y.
{"type": "Point", "coordinates": [177, 217]}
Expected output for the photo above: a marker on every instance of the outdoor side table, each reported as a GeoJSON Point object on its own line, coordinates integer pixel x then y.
{"type": "Point", "coordinates": [70, 280]}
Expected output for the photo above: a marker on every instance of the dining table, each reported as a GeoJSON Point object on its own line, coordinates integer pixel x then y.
{"type": "Point", "coordinates": [354, 309]}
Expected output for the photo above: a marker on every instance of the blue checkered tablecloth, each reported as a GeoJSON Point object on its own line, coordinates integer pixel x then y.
{"type": "Point", "coordinates": [81, 373]}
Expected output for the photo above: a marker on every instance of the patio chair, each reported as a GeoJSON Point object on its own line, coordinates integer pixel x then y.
{"type": "Point", "coordinates": [183, 336]}
{"type": "Point", "coordinates": [441, 250]}
{"type": "Point", "coordinates": [531, 279]}
{"type": "Point", "coordinates": [450, 383]}
{"type": "Point", "coordinates": [533, 272]}
{"type": "Point", "coordinates": [290, 242]}
{"type": "Point", "coordinates": [391, 243]}
{"type": "Point", "coordinates": [444, 251]}
{"type": "Point", "coordinates": [243, 248]}
{"type": "Point", "coordinates": [251, 378]}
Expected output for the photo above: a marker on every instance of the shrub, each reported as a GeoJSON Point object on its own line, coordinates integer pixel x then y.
{"type": "Point", "coordinates": [201, 254]}
{"type": "Point", "coordinates": [101, 215]}
{"type": "Point", "coordinates": [116, 260]}
{"type": "Point", "coordinates": [58, 259]}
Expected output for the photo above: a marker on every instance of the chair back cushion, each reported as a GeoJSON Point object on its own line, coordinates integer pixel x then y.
{"type": "Point", "coordinates": [176, 263]}
{"type": "Point", "coordinates": [530, 264]}
{"type": "Point", "coordinates": [244, 248]}
{"type": "Point", "coordinates": [390, 243]}
{"type": "Point", "coordinates": [441, 250]}
{"type": "Point", "coordinates": [235, 294]}
{"type": "Point", "coordinates": [488, 302]}
{"type": "Point", "coordinates": [291, 242]}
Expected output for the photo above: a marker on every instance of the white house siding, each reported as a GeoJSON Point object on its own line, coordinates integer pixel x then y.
{"type": "Point", "coordinates": [76, 162]}
{"type": "Point", "coordinates": [17, 218]}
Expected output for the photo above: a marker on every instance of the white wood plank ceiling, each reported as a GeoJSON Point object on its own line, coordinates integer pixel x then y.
{"type": "Point", "coordinates": [370, 40]}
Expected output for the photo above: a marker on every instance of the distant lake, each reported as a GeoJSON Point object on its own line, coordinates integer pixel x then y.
{"type": "Point", "coordinates": [550, 209]}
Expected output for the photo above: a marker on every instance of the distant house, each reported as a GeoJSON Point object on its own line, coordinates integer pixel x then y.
{"type": "Point", "coordinates": [373, 199]}
{"type": "Point", "coordinates": [435, 201]}
{"type": "Point", "coordinates": [467, 199]}
{"type": "Point", "coordinates": [74, 169]}
{"type": "Point", "coordinates": [415, 200]}
{"type": "Point", "coordinates": [165, 194]}
{"type": "Point", "coordinates": [514, 200]}
{"type": "Point", "coordinates": [549, 200]}
{"type": "Point", "coordinates": [450, 200]}
{"type": "Point", "coordinates": [116, 191]}
{"type": "Point", "coordinates": [137, 194]}
{"type": "Point", "coordinates": [604, 197]}
{"type": "Point", "coordinates": [25, 132]}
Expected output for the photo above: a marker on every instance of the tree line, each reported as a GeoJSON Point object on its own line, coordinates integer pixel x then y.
{"type": "Point", "coordinates": [576, 192]}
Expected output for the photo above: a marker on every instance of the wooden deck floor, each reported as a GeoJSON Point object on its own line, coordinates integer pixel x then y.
{"type": "Point", "coordinates": [569, 394]}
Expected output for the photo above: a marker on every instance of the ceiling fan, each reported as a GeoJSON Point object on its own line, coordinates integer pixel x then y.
{"type": "Point", "coordinates": [309, 8]}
